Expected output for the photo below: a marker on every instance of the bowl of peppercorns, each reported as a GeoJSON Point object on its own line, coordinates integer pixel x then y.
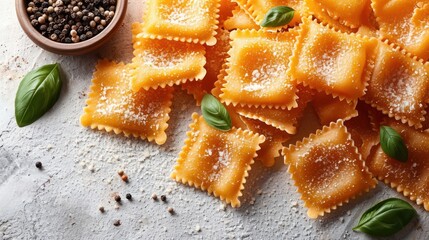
{"type": "Point", "coordinates": [70, 27]}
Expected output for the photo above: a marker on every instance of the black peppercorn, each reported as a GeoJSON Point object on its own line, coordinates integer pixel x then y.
{"type": "Point", "coordinates": [100, 28]}
{"type": "Point", "coordinates": [83, 37]}
{"type": "Point", "coordinates": [39, 165]}
{"type": "Point", "coordinates": [117, 223]}
{"type": "Point", "coordinates": [88, 35]}
{"type": "Point", "coordinates": [163, 198]}
{"type": "Point", "coordinates": [34, 22]}
{"type": "Point", "coordinates": [68, 40]}
{"type": "Point", "coordinates": [117, 198]}
{"type": "Point", "coordinates": [128, 196]}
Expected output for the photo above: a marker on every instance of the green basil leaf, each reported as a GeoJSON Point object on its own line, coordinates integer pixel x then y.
{"type": "Point", "coordinates": [37, 93]}
{"type": "Point", "coordinates": [215, 113]}
{"type": "Point", "coordinates": [278, 16]}
{"type": "Point", "coordinates": [393, 144]}
{"type": "Point", "coordinates": [386, 218]}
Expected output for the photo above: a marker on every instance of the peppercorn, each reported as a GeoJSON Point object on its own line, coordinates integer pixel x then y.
{"type": "Point", "coordinates": [170, 210]}
{"type": "Point", "coordinates": [48, 16]}
{"type": "Point", "coordinates": [117, 223]}
{"type": "Point", "coordinates": [101, 209]}
{"type": "Point", "coordinates": [124, 178]}
{"type": "Point", "coordinates": [39, 165]}
{"type": "Point", "coordinates": [163, 198]}
{"type": "Point", "coordinates": [128, 196]}
{"type": "Point", "coordinates": [117, 198]}
{"type": "Point", "coordinates": [154, 197]}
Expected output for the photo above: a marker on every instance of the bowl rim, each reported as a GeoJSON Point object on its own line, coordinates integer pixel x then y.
{"type": "Point", "coordinates": [69, 48]}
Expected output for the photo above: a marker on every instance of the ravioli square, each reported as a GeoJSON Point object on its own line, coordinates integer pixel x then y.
{"type": "Point", "coordinates": [113, 106]}
{"type": "Point", "coordinates": [404, 23]}
{"type": "Point", "coordinates": [181, 20]}
{"type": "Point", "coordinates": [398, 86]}
{"type": "Point", "coordinates": [257, 9]}
{"type": "Point", "coordinates": [348, 13]}
{"type": "Point", "coordinates": [330, 109]}
{"type": "Point", "coordinates": [217, 161]}
{"type": "Point", "coordinates": [160, 63]}
{"type": "Point", "coordinates": [327, 169]}
{"type": "Point", "coordinates": [257, 70]}
{"type": "Point", "coordinates": [215, 59]}
{"type": "Point", "coordinates": [411, 178]}
{"type": "Point", "coordinates": [274, 139]}
{"type": "Point", "coordinates": [240, 19]}
{"type": "Point", "coordinates": [282, 119]}
{"type": "Point", "coordinates": [336, 63]}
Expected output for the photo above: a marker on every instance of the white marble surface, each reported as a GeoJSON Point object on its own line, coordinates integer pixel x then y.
{"type": "Point", "coordinates": [62, 200]}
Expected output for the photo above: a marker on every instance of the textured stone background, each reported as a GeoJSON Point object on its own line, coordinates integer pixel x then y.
{"type": "Point", "coordinates": [80, 165]}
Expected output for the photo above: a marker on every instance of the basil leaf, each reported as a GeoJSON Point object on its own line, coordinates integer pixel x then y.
{"type": "Point", "coordinates": [37, 93]}
{"type": "Point", "coordinates": [393, 144]}
{"type": "Point", "coordinates": [386, 218]}
{"type": "Point", "coordinates": [278, 16]}
{"type": "Point", "coordinates": [215, 113]}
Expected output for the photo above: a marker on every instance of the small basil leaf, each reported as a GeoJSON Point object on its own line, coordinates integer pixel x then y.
{"type": "Point", "coordinates": [386, 218]}
{"type": "Point", "coordinates": [278, 16]}
{"type": "Point", "coordinates": [215, 113]}
{"type": "Point", "coordinates": [393, 144]}
{"type": "Point", "coordinates": [37, 93]}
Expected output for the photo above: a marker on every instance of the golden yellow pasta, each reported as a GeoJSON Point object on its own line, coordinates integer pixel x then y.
{"type": "Point", "coordinates": [336, 63]}
{"type": "Point", "coordinates": [283, 119]}
{"type": "Point", "coordinates": [349, 13]}
{"type": "Point", "coordinates": [327, 169]}
{"type": "Point", "coordinates": [330, 109]}
{"type": "Point", "coordinates": [398, 86]}
{"type": "Point", "coordinates": [215, 58]}
{"type": "Point", "coordinates": [257, 9]}
{"type": "Point", "coordinates": [256, 72]}
{"type": "Point", "coordinates": [274, 139]}
{"type": "Point", "coordinates": [113, 106]}
{"type": "Point", "coordinates": [181, 20]}
{"type": "Point", "coordinates": [363, 129]}
{"type": "Point", "coordinates": [411, 178]}
{"type": "Point", "coordinates": [240, 20]}
{"type": "Point", "coordinates": [404, 23]}
{"type": "Point", "coordinates": [216, 161]}
{"type": "Point", "coordinates": [225, 10]}
{"type": "Point", "coordinates": [160, 63]}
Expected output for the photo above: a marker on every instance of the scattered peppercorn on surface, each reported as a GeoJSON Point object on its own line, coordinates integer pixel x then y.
{"type": "Point", "coordinates": [320, 166]}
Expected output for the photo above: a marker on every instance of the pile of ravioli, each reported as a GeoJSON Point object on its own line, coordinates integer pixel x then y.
{"type": "Point", "coordinates": [359, 64]}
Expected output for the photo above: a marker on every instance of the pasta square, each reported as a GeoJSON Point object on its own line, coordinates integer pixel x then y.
{"type": "Point", "coordinates": [404, 23]}
{"type": "Point", "coordinates": [327, 169]}
{"type": "Point", "coordinates": [215, 58]}
{"type": "Point", "coordinates": [274, 139]}
{"type": "Point", "coordinates": [225, 10]}
{"type": "Point", "coordinates": [160, 63]}
{"type": "Point", "coordinates": [181, 20]}
{"type": "Point", "coordinates": [113, 106]}
{"type": "Point", "coordinates": [319, 61]}
{"type": "Point", "coordinates": [257, 9]}
{"type": "Point", "coordinates": [285, 120]}
{"type": "Point", "coordinates": [256, 73]}
{"type": "Point", "coordinates": [330, 109]}
{"type": "Point", "coordinates": [217, 161]}
{"type": "Point", "coordinates": [240, 20]}
{"type": "Point", "coordinates": [398, 86]}
{"type": "Point", "coordinates": [411, 178]}
{"type": "Point", "coordinates": [348, 13]}
{"type": "Point", "coordinates": [364, 130]}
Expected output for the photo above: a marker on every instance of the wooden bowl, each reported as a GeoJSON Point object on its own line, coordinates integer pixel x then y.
{"type": "Point", "coordinates": [78, 48]}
